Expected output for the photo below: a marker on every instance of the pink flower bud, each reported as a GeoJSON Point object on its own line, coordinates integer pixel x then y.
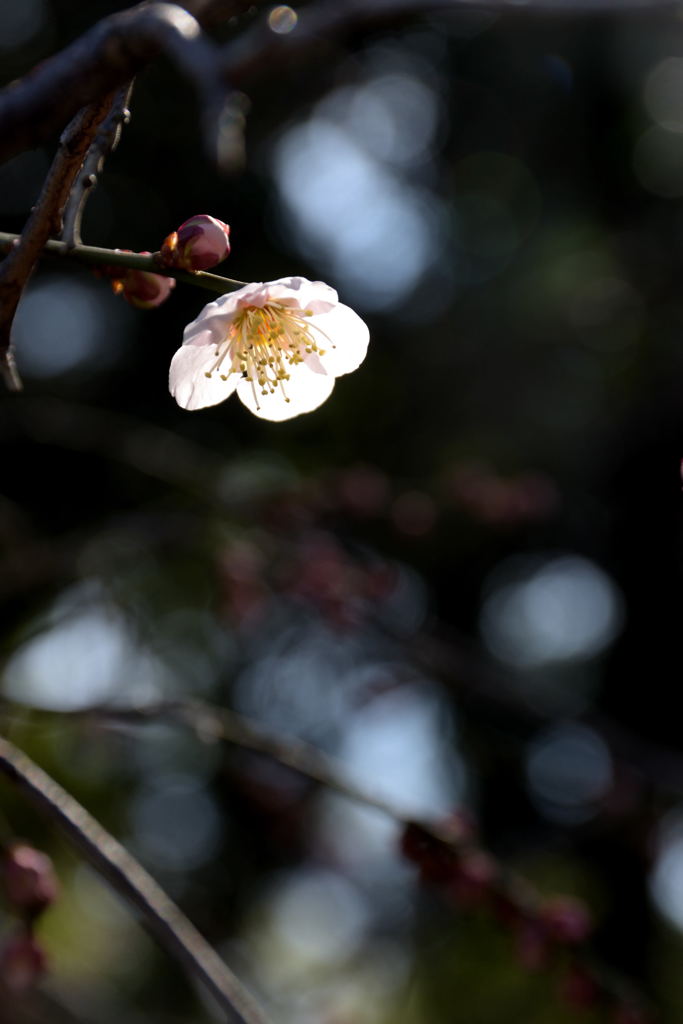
{"type": "Point", "coordinates": [22, 962]}
{"type": "Point", "coordinates": [141, 288]}
{"type": "Point", "coordinates": [626, 1014]}
{"type": "Point", "coordinates": [566, 920]}
{"type": "Point", "coordinates": [28, 878]}
{"type": "Point", "coordinates": [530, 944]}
{"type": "Point", "coordinates": [579, 988]}
{"type": "Point", "coordinates": [476, 874]}
{"type": "Point", "coordinates": [201, 242]}
{"type": "Point", "coordinates": [436, 860]}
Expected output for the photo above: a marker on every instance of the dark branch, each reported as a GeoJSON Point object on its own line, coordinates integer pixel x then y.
{"type": "Point", "coordinates": [104, 143]}
{"type": "Point", "coordinates": [100, 61]}
{"type": "Point", "coordinates": [160, 915]}
{"type": "Point", "coordinates": [45, 220]}
{"type": "Point", "coordinates": [446, 845]}
{"type": "Point", "coordinates": [260, 53]}
{"type": "Point", "coordinates": [33, 108]}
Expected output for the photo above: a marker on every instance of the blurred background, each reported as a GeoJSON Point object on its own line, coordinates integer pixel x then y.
{"type": "Point", "coordinates": [460, 577]}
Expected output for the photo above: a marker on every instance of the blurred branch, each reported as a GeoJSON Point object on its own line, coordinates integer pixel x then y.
{"type": "Point", "coordinates": [161, 916]}
{"type": "Point", "coordinates": [217, 724]}
{"type": "Point", "coordinates": [105, 142]}
{"type": "Point", "coordinates": [195, 471]}
{"type": "Point", "coordinates": [261, 52]}
{"type": "Point", "coordinates": [119, 46]}
{"type": "Point", "coordinates": [45, 220]}
{"type": "Point", "coordinates": [103, 59]}
{"type": "Point", "coordinates": [445, 851]}
{"type": "Point", "coordinates": [210, 13]}
{"type": "Point", "coordinates": [93, 255]}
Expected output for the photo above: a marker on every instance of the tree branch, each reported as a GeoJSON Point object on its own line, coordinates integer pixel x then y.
{"type": "Point", "coordinates": [105, 142]}
{"type": "Point", "coordinates": [45, 219]}
{"type": "Point", "coordinates": [33, 108]}
{"type": "Point", "coordinates": [443, 850]}
{"type": "Point", "coordinates": [100, 61]}
{"type": "Point", "coordinates": [160, 915]}
{"type": "Point", "coordinates": [93, 255]}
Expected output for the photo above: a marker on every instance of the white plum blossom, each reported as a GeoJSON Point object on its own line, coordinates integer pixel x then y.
{"type": "Point", "coordinates": [279, 345]}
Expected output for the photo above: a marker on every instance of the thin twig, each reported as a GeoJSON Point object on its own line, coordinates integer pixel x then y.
{"type": "Point", "coordinates": [45, 220]}
{"type": "Point", "coordinates": [212, 723]}
{"type": "Point", "coordinates": [93, 255]}
{"type": "Point", "coordinates": [105, 142]}
{"type": "Point", "coordinates": [160, 915]}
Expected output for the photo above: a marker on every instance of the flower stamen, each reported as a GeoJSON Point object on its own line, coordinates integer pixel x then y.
{"type": "Point", "coordinates": [263, 342]}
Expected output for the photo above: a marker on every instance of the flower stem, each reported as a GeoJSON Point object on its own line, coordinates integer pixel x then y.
{"type": "Point", "coordinates": [95, 256]}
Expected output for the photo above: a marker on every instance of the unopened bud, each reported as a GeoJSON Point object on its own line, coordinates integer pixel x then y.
{"type": "Point", "coordinates": [627, 1014]}
{"type": "Point", "coordinates": [201, 242]}
{"type": "Point", "coordinates": [22, 962]}
{"type": "Point", "coordinates": [579, 988]}
{"type": "Point", "coordinates": [28, 878]}
{"type": "Point", "coordinates": [141, 288]}
{"type": "Point", "coordinates": [530, 944]}
{"type": "Point", "coordinates": [436, 860]}
{"type": "Point", "coordinates": [476, 873]}
{"type": "Point", "coordinates": [566, 920]}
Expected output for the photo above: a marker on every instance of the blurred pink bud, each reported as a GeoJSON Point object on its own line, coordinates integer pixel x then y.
{"type": "Point", "coordinates": [531, 944]}
{"type": "Point", "coordinates": [476, 874]}
{"type": "Point", "coordinates": [579, 988]}
{"type": "Point", "coordinates": [436, 860]}
{"type": "Point", "coordinates": [22, 962]}
{"type": "Point", "coordinates": [28, 878]}
{"type": "Point", "coordinates": [626, 1014]}
{"type": "Point", "coordinates": [201, 242]}
{"type": "Point", "coordinates": [566, 919]}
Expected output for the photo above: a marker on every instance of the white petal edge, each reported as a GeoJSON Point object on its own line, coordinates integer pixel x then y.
{"type": "Point", "coordinates": [187, 380]}
{"type": "Point", "coordinates": [301, 293]}
{"type": "Point", "coordinates": [344, 338]}
{"type": "Point", "coordinates": [306, 391]}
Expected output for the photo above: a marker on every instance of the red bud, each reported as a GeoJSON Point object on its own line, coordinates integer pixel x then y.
{"type": "Point", "coordinates": [22, 962]}
{"type": "Point", "coordinates": [29, 880]}
{"type": "Point", "coordinates": [199, 243]}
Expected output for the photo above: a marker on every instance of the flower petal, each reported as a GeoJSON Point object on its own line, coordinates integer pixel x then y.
{"type": "Point", "coordinates": [188, 382]}
{"type": "Point", "coordinates": [344, 338]}
{"type": "Point", "coordinates": [217, 315]}
{"type": "Point", "coordinates": [305, 390]}
{"type": "Point", "coordinates": [301, 293]}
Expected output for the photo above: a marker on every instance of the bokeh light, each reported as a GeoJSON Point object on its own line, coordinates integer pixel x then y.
{"type": "Point", "coordinates": [82, 655]}
{"type": "Point", "coordinates": [84, 328]}
{"type": "Point", "coordinates": [666, 879]}
{"type": "Point", "coordinates": [540, 611]}
{"type": "Point", "coordinates": [282, 19]}
{"type": "Point", "coordinates": [569, 772]}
